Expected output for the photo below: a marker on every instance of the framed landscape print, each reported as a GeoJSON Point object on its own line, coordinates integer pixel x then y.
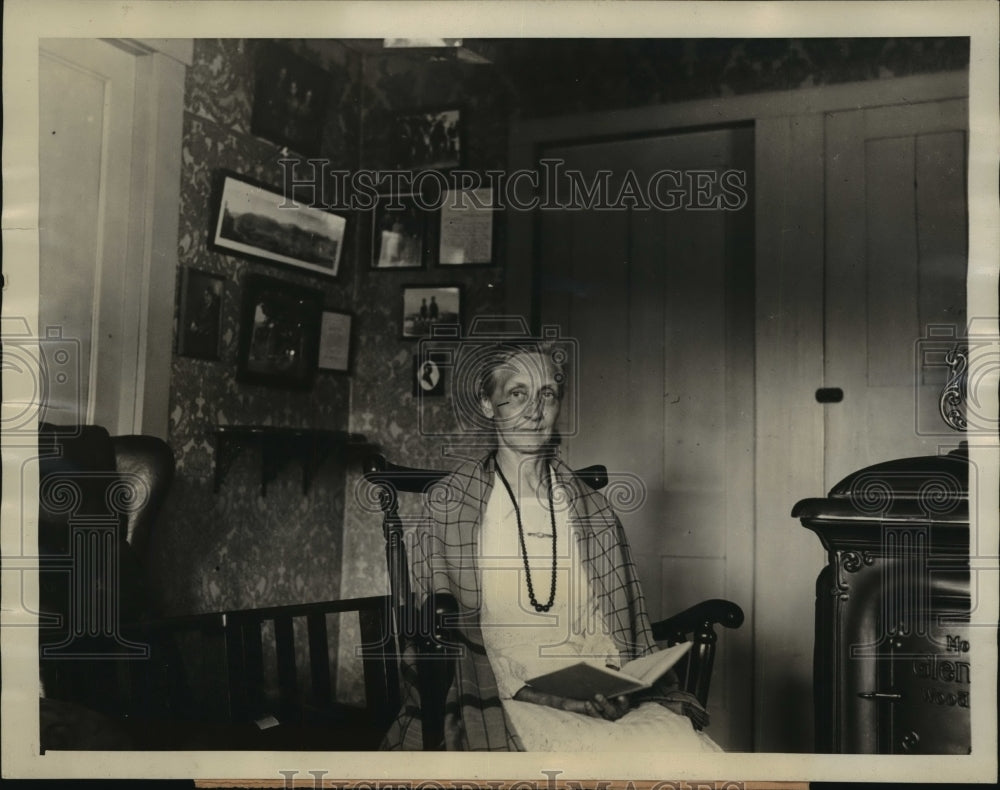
{"type": "Point", "coordinates": [255, 221]}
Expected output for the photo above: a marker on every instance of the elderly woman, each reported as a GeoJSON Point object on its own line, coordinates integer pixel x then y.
{"type": "Point", "coordinates": [540, 567]}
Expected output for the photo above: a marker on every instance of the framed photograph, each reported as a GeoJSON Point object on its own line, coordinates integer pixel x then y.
{"type": "Point", "coordinates": [279, 333]}
{"type": "Point", "coordinates": [427, 305]}
{"type": "Point", "coordinates": [398, 233]}
{"type": "Point", "coordinates": [335, 341]}
{"type": "Point", "coordinates": [465, 229]}
{"type": "Point", "coordinates": [428, 374]}
{"type": "Point", "coordinates": [255, 221]}
{"type": "Point", "coordinates": [199, 325]}
{"type": "Point", "coordinates": [290, 99]}
{"type": "Point", "coordinates": [427, 139]}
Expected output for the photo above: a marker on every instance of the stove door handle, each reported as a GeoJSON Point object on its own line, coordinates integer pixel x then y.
{"type": "Point", "coordinates": [889, 696]}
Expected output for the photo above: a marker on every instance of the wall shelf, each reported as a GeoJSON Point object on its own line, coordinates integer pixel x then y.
{"type": "Point", "coordinates": [278, 446]}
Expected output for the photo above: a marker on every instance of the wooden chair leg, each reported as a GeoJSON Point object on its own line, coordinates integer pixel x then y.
{"type": "Point", "coordinates": [704, 649]}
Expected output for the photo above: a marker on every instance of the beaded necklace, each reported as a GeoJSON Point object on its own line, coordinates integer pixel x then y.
{"type": "Point", "coordinates": [524, 549]}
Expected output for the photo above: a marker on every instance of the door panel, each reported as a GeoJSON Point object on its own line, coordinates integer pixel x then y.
{"type": "Point", "coordinates": [86, 111]}
{"type": "Point", "coordinates": [890, 320]}
{"type": "Point", "coordinates": [68, 220]}
{"type": "Point", "coordinates": [661, 304]}
{"type": "Point", "coordinates": [895, 273]}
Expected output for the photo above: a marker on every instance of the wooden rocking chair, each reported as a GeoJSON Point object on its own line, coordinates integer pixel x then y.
{"type": "Point", "coordinates": [424, 621]}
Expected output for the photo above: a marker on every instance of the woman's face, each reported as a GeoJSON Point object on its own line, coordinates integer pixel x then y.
{"type": "Point", "coordinates": [525, 403]}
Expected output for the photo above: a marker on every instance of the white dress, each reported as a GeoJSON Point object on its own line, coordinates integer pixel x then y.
{"type": "Point", "coordinates": [522, 643]}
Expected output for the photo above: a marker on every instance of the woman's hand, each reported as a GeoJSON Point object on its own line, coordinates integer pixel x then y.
{"type": "Point", "coordinates": [598, 706]}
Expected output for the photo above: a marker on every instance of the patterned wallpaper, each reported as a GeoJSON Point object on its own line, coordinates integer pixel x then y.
{"type": "Point", "coordinates": [562, 76]}
{"type": "Point", "coordinates": [235, 548]}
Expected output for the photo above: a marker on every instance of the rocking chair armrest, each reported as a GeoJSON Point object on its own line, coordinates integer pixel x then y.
{"type": "Point", "coordinates": [715, 611]}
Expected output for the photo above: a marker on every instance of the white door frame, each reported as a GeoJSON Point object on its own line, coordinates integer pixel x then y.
{"type": "Point", "coordinates": [154, 221]}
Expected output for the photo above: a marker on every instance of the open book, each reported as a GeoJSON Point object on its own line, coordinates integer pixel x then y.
{"type": "Point", "coordinates": [586, 678]}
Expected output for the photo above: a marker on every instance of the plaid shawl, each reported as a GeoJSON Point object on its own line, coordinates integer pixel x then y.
{"type": "Point", "coordinates": [444, 548]}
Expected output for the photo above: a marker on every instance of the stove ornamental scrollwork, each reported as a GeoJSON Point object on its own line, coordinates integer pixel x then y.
{"type": "Point", "coordinates": [952, 403]}
{"type": "Point", "coordinates": [853, 561]}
